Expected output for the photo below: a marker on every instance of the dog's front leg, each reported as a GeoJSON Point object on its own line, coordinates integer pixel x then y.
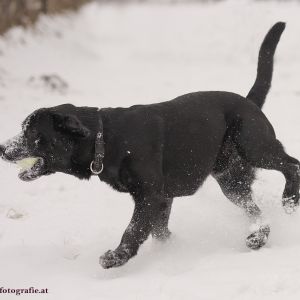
{"type": "Point", "coordinates": [138, 230]}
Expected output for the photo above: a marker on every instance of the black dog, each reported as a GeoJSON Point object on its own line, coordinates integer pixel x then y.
{"type": "Point", "coordinates": [161, 151]}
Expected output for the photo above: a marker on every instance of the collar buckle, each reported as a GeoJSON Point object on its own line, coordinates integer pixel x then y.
{"type": "Point", "coordinates": [92, 168]}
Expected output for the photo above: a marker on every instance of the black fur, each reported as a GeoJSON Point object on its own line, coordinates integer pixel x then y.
{"type": "Point", "coordinates": [160, 151]}
{"type": "Point", "coordinates": [262, 84]}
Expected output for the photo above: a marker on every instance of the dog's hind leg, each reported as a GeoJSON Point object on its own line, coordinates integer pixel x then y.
{"type": "Point", "coordinates": [235, 180]}
{"type": "Point", "coordinates": [160, 228]}
{"type": "Point", "coordinates": [257, 144]}
{"type": "Point", "coordinates": [272, 156]}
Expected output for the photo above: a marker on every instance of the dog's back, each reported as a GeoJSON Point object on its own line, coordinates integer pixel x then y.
{"type": "Point", "coordinates": [191, 131]}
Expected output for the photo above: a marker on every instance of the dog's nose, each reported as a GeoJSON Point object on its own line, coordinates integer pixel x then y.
{"type": "Point", "coordinates": [2, 150]}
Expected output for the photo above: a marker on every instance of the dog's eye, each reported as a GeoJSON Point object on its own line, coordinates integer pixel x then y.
{"type": "Point", "coordinates": [39, 141]}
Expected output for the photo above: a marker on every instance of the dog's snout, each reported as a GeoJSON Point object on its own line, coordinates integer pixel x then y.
{"type": "Point", "coordinates": [2, 150]}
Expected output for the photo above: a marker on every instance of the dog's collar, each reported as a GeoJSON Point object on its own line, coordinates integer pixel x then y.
{"type": "Point", "coordinates": [96, 165]}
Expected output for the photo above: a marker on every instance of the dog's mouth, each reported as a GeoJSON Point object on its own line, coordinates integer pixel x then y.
{"type": "Point", "coordinates": [31, 168]}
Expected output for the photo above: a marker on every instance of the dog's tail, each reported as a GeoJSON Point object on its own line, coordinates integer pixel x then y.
{"type": "Point", "coordinates": [262, 84]}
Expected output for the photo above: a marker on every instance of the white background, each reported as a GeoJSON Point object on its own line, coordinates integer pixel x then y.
{"type": "Point", "coordinates": [125, 55]}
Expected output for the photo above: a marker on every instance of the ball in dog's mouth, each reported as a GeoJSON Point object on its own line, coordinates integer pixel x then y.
{"type": "Point", "coordinates": [31, 168]}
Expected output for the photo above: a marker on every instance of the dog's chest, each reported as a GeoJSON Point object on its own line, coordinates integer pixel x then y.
{"type": "Point", "coordinates": [111, 175]}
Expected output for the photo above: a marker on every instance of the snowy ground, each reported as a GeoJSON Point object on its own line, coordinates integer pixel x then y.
{"type": "Point", "coordinates": [53, 230]}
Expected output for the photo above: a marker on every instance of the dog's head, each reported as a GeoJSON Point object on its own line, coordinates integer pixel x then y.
{"type": "Point", "coordinates": [57, 139]}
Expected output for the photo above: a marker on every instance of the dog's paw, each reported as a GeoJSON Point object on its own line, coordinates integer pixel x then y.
{"type": "Point", "coordinates": [258, 238]}
{"type": "Point", "coordinates": [112, 259]}
{"type": "Point", "coordinates": [161, 235]}
{"type": "Point", "coordinates": [290, 204]}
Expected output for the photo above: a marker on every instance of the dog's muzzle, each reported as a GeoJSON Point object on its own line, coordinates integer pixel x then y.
{"type": "Point", "coordinates": [15, 151]}
{"type": "Point", "coordinates": [2, 149]}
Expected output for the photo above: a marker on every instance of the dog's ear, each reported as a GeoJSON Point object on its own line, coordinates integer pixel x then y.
{"type": "Point", "coordinates": [70, 124]}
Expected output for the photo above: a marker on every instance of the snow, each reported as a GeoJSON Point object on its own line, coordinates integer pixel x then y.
{"type": "Point", "coordinates": [53, 230]}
